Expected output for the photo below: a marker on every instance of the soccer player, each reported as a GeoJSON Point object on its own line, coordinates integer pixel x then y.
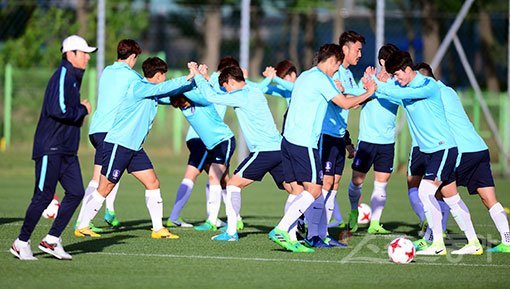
{"type": "Point", "coordinates": [217, 138]}
{"type": "Point", "coordinates": [197, 162]}
{"type": "Point", "coordinates": [56, 142]}
{"type": "Point", "coordinates": [473, 170]}
{"type": "Point", "coordinates": [331, 144]}
{"type": "Point", "coordinates": [262, 138]}
{"type": "Point", "coordinates": [113, 85]}
{"type": "Point", "coordinates": [376, 147]}
{"type": "Point", "coordinates": [313, 90]}
{"type": "Point", "coordinates": [421, 99]}
{"type": "Point", "coordinates": [123, 144]}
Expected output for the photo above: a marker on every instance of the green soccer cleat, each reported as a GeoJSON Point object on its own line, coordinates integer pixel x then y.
{"type": "Point", "coordinates": [91, 226]}
{"type": "Point", "coordinates": [281, 238]}
{"type": "Point", "coordinates": [421, 244]}
{"type": "Point", "coordinates": [240, 225]}
{"type": "Point", "coordinates": [501, 248]}
{"type": "Point", "coordinates": [435, 249]}
{"type": "Point", "coordinates": [353, 221]}
{"type": "Point", "coordinates": [178, 223]}
{"type": "Point", "coordinates": [423, 228]}
{"type": "Point", "coordinates": [297, 247]}
{"type": "Point", "coordinates": [471, 248]}
{"type": "Point", "coordinates": [377, 229]}
{"type": "Point", "coordinates": [207, 226]}
{"type": "Point", "coordinates": [111, 219]}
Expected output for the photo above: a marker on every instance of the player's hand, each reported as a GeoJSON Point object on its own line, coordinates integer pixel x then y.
{"type": "Point", "coordinates": [370, 86]}
{"type": "Point", "coordinates": [269, 72]}
{"type": "Point", "coordinates": [193, 70]}
{"type": "Point", "coordinates": [338, 84]}
{"type": "Point", "coordinates": [351, 151]}
{"type": "Point", "coordinates": [383, 76]}
{"type": "Point", "coordinates": [86, 103]}
{"type": "Point", "coordinates": [203, 70]}
{"type": "Point", "coordinates": [370, 71]}
{"type": "Point", "coordinates": [245, 72]}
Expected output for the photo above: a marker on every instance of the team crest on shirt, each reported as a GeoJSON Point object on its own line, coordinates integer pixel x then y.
{"type": "Point", "coordinates": [116, 174]}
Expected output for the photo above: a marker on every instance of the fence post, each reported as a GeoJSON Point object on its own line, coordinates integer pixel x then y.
{"type": "Point", "coordinates": [6, 140]}
{"type": "Point", "coordinates": [476, 113]}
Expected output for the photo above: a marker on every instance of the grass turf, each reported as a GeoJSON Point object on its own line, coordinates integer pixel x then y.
{"type": "Point", "coordinates": [129, 258]}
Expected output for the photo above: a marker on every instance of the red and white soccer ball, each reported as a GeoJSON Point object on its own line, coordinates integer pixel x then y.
{"type": "Point", "coordinates": [401, 251]}
{"type": "Point", "coordinates": [52, 210]}
{"type": "Point", "coordinates": [365, 213]}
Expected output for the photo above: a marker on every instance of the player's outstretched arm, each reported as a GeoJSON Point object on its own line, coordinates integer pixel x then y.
{"type": "Point", "coordinates": [351, 101]}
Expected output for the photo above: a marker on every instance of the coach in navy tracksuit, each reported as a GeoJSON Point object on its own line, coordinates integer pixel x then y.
{"type": "Point", "coordinates": [55, 150]}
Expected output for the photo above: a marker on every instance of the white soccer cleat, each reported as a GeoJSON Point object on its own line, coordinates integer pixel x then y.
{"type": "Point", "coordinates": [436, 249]}
{"type": "Point", "coordinates": [22, 252]}
{"type": "Point", "coordinates": [54, 249]}
{"type": "Point", "coordinates": [471, 248]}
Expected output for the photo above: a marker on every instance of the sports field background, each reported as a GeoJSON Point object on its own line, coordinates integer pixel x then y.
{"type": "Point", "coordinates": [129, 258]}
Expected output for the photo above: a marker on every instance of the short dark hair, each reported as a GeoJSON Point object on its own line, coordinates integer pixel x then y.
{"type": "Point", "coordinates": [350, 36]}
{"type": "Point", "coordinates": [152, 65]}
{"type": "Point", "coordinates": [126, 47]}
{"type": "Point", "coordinates": [425, 69]}
{"type": "Point", "coordinates": [328, 50]}
{"type": "Point", "coordinates": [386, 50]}
{"type": "Point", "coordinates": [398, 60]}
{"type": "Point", "coordinates": [227, 61]}
{"type": "Point", "coordinates": [232, 72]}
{"type": "Point", "coordinates": [284, 68]}
{"type": "Point", "coordinates": [178, 101]}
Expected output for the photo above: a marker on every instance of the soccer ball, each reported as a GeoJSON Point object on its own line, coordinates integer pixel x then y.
{"type": "Point", "coordinates": [365, 213]}
{"type": "Point", "coordinates": [52, 210]}
{"type": "Point", "coordinates": [401, 251]}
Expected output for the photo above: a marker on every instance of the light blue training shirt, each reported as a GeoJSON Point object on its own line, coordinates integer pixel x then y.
{"type": "Point", "coordinates": [335, 120]}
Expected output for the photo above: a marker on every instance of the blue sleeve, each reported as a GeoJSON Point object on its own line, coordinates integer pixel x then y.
{"type": "Point", "coordinates": [211, 95]}
{"type": "Point", "coordinates": [284, 83]}
{"type": "Point", "coordinates": [168, 88]}
{"type": "Point", "coordinates": [195, 96]}
{"type": "Point", "coordinates": [58, 101]}
{"type": "Point", "coordinates": [276, 91]}
{"type": "Point", "coordinates": [390, 91]}
{"type": "Point", "coordinates": [261, 85]}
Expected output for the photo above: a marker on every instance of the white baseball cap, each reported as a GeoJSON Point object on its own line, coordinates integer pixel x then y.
{"type": "Point", "coordinates": [75, 42]}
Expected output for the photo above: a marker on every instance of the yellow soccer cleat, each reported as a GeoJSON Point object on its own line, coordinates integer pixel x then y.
{"type": "Point", "coordinates": [86, 232]}
{"type": "Point", "coordinates": [163, 233]}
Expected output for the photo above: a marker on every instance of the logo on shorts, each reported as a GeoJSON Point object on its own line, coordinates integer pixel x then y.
{"type": "Point", "coordinates": [328, 166]}
{"type": "Point", "coordinates": [116, 174]}
{"type": "Point", "coordinates": [321, 175]}
{"type": "Point", "coordinates": [357, 162]}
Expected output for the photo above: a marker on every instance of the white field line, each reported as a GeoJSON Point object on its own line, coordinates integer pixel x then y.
{"type": "Point", "coordinates": [373, 261]}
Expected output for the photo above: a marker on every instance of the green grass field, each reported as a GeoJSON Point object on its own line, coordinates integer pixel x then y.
{"type": "Point", "coordinates": [129, 258]}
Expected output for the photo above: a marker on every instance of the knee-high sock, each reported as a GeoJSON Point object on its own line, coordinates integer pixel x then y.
{"type": "Point", "coordinates": [88, 191]}
{"type": "Point", "coordinates": [292, 231]}
{"type": "Point", "coordinates": [426, 192]}
{"type": "Point", "coordinates": [330, 204]}
{"type": "Point", "coordinates": [231, 210]}
{"type": "Point", "coordinates": [154, 204]}
{"type": "Point", "coordinates": [183, 194]}
{"type": "Point", "coordinates": [354, 195]}
{"type": "Point", "coordinates": [378, 200]}
{"type": "Point", "coordinates": [416, 204]}
{"type": "Point", "coordinates": [428, 235]}
{"type": "Point", "coordinates": [313, 215]}
{"type": "Point", "coordinates": [337, 214]}
{"type": "Point", "coordinates": [462, 216]}
{"type": "Point", "coordinates": [207, 198]}
{"type": "Point", "coordinates": [326, 214]}
{"type": "Point", "coordinates": [499, 218]}
{"type": "Point", "coordinates": [236, 202]}
{"type": "Point", "coordinates": [445, 213]}
{"type": "Point", "coordinates": [296, 209]}
{"type": "Point", "coordinates": [214, 203]}
{"type": "Point", "coordinates": [91, 207]}
{"type": "Point", "coordinates": [110, 199]}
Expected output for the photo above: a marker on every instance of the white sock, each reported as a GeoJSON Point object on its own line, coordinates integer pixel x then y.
{"type": "Point", "coordinates": [293, 229]}
{"type": "Point", "coordinates": [110, 199]}
{"type": "Point", "coordinates": [462, 216]}
{"type": "Point", "coordinates": [428, 235]}
{"type": "Point", "coordinates": [298, 207]}
{"type": "Point", "coordinates": [91, 207]}
{"type": "Point", "coordinates": [313, 215]}
{"type": "Point", "coordinates": [20, 243]}
{"type": "Point", "coordinates": [236, 202]}
{"type": "Point", "coordinates": [90, 188]}
{"type": "Point", "coordinates": [330, 204]}
{"type": "Point", "coordinates": [426, 192]}
{"type": "Point", "coordinates": [378, 200]}
{"type": "Point", "coordinates": [154, 204]}
{"type": "Point", "coordinates": [337, 214]}
{"type": "Point", "coordinates": [354, 195]}
{"type": "Point", "coordinates": [214, 203]}
{"type": "Point", "coordinates": [51, 239]}
{"type": "Point", "coordinates": [231, 210]}
{"type": "Point", "coordinates": [416, 204]}
{"type": "Point", "coordinates": [499, 218]}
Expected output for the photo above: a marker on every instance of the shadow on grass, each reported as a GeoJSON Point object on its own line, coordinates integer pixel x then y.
{"type": "Point", "coordinates": [10, 220]}
{"type": "Point", "coordinates": [97, 244]}
{"type": "Point", "coordinates": [127, 226]}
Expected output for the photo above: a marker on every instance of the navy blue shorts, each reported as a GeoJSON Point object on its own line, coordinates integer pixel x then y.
{"type": "Point", "coordinates": [332, 153]}
{"type": "Point", "coordinates": [417, 162]}
{"type": "Point", "coordinates": [257, 164]}
{"type": "Point", "coordinates": [474, 171]}
{"type": "Point", "coordinates": [301, 164]}
{"type": "Point", "coordinates": [117, 158]}
{"type": "Point", "coordinates": [197, 153]}
{"type": "Point", "coordinates": [441, 166]}
{"type": "Point", "coordinates": [222, 152]}
{"type": "Point", "coordinates": [379, 155]}
{"type": "Point", "coordinates": [97, 140]}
